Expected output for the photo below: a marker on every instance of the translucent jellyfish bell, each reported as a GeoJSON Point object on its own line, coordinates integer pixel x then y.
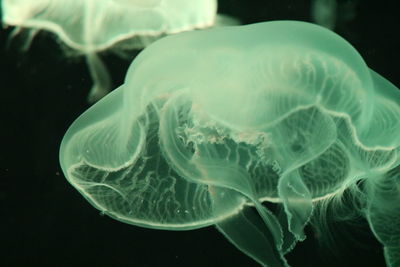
{"type": "Point", "coordinates": [210, 124]}
{"type": "Point", "coordinates": [90, 26]}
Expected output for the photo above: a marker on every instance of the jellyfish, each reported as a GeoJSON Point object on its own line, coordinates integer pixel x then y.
{"type": "Point", "coordinates": [210, 126]}
{"type": "Point", "coordinates": [331, 13]}
{"type": "Point", "coordinates": [91, 26]}
{"type": "Point", "coordinates": [323, 12]}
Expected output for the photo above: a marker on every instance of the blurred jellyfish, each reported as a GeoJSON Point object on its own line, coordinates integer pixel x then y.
{"type": "Point", "coordinates": [91, 26]}
{"type": "Point", "coordinates": [331, 13]}
{"type": "Point", "coordinates": [323, 12]}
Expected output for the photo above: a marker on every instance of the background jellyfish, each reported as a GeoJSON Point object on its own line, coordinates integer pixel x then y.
{"type": "Point", "coordinates": [286, 120]}
{"type": "Point", "coordinates": [92, 26]}
{"type": "Point", "coordinates": [333, 13]}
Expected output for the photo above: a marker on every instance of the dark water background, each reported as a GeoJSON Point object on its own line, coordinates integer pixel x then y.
{"type": "Point", "coordinates": [45, 222]}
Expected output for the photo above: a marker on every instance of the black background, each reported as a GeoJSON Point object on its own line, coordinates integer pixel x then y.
{"type": "Point", "coordinates": [45, 222]}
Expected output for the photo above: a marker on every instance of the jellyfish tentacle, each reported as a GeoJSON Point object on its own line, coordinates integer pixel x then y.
{"type": "Point", "coordinates": [100, 76]}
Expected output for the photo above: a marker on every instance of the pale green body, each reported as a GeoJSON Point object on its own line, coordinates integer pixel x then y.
{"type": "Point", "coordinates": [210, 123]}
